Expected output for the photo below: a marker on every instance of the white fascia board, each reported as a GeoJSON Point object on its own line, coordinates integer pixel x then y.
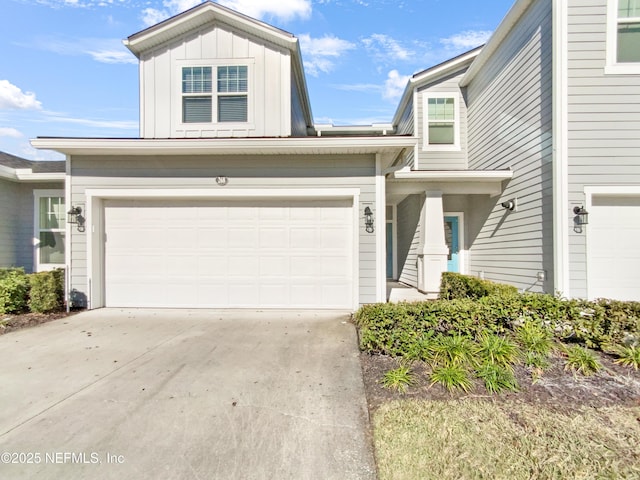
{"type": "Point", "coordinates": [226, 146]}
{"type": "Point", "coordinates": [498, 36]}
{"type": "Point", "coordinates": [8, 173]}
{"type": "Point", "coordinates": [27, 175]}
{"type": "Point", "coordinates": [455, 175]}
{"type": "Point", "coordinates": [432, 75]}
{"type": "Point", "coordinates": [201, 15]}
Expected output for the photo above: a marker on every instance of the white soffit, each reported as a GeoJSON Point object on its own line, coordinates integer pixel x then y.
{"type": "Point", "coordinates": [243, 146]}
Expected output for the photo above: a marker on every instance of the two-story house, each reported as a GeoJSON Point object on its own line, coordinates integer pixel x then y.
{"type": "Point", "coordinates": [494, 161]}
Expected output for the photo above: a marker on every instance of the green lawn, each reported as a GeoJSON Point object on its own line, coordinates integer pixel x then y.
{"type": "Point", "coordinates": [476, 439]}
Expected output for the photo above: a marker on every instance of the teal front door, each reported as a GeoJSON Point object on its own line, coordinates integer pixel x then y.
{"type": "Point", "coordinates": [389, 250]}
{"type": "Point", "coordinates": [452, 237]}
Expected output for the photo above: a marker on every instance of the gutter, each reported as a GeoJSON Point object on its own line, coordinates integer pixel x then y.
{"type": "Point", "coordinates": [27, 175]}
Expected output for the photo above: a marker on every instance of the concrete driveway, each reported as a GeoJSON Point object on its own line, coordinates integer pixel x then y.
{"type": "Point", "coordinates": [182, 394]}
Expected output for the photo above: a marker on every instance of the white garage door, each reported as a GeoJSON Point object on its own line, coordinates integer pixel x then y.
{"type": "Point", "coordinates": [215, 254]}
{"type": "Point", "coordinates": [613, 247]}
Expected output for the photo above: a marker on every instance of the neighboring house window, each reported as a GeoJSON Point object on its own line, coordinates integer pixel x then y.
{"type": "Point", "coordinates": [623, 37]}
{"type": "Point", "coordinates": [441, 126]}
{"type": "Point", "coordinates": [49, 229]}
{"type": "Point", "coordinates": [231, 103]}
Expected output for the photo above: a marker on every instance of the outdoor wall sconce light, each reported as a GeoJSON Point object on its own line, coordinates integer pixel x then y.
{"type": "Point", "coordinates": [510, 205]}
{"type": "Point", "coordinates": [74, 217]}
{"type": "Point", "coordinates": [581, 218]}
{"type": "Point", "coordinates": [368, 220]}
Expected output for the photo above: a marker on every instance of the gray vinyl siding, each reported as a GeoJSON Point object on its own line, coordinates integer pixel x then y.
{"type": "Point", "coordinates": [604, 122]}
{"type": "Point", "coordinates": [510, 126]}
{"type": "Point", "coordinates": [408, 237]}
{"type": "Point", "coordinates": [442, 160]}
{"type": "Point", "coordinates": [406, 127]}
{"type": "Point", "coordinates": [16, 222]}
{"type": "Point", "coordinates": [199, 172]}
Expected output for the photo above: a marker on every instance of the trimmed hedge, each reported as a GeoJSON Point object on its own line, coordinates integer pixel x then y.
{"type": "Point", "coordinates": [396, 329]}
{"type": "Point", "coordinates": [14, 291]}
{"type": "Point", "coordinates": [37, 292]}
{"type": "Point", "coordinates": [456, 285]}
{"type": "Point", "coordinates": [47, 291]}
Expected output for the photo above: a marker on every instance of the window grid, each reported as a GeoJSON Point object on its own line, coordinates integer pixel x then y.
{"type": "Point", "coordinates": [51, 230]}
{"type": "Point", "coordinates": [441, 121]}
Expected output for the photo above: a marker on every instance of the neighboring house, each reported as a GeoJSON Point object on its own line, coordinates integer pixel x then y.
{"type": "Point", "coordinates": [232, 197]}
{"type": "Point", "coordinates": [32, 214]}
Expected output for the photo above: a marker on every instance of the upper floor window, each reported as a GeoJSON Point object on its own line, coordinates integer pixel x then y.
{"type": "Point", "coordinates": [623, 36]}
{"type": "Point", "coordinates": [231, 104]}
{"type": "Point", "coordinates": [441, 122]}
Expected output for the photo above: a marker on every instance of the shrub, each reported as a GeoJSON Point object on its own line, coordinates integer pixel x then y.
{"type": "Point", "coordinates": [14, 291]}
{"type": "Point", "coordinates": [497, 378]}
{"type": "Point", "coordinates": [455, 286]}
{"type": "Point", "coordinates": [581, 360]}
{"type": "Point", "coordinates": [46, 291]}
{"type": "Point", "coordinates": [398, 379]}
{"type": "Point", "coordinates": [452, 377]}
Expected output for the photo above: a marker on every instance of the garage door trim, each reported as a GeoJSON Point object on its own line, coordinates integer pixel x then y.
{"type": "Point", "coordinates": [95, 221]}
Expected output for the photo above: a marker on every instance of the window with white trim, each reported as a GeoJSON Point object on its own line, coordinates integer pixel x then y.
{"type": "Point", "coordinates": [623, 36]}
{"type": "Point", "coordinates": [231, 94]}
{"type": "Point", "coordinates": [628, 31]}
{"type": "Point", "coordinates": [441, 122]}
{"type": "Point", "coordinates": [50, 217]}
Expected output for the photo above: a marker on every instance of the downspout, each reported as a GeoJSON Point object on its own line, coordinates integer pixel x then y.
{"type": "Point", "coordinates": [68, 233]}
{"type": "Point", "coordinates": [560, 93]}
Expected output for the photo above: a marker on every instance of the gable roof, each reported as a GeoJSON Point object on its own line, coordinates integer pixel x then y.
{"type": "Point", "coordinates": [200, 15]}
{"type": "Point", "coordinates": [208, 12]}
{"type": "Point", "coordinates": [433, 74]}
{"type": "Point", "coordinates": [11, 161]}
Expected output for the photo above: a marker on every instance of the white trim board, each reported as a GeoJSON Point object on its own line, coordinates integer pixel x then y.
{"type": "Point", "coordinates": [95, 222]}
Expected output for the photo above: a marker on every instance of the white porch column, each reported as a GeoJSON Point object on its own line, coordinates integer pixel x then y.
{"type": "Point", "coordinates": [433, 250]}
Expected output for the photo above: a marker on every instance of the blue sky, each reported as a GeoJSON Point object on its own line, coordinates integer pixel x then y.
{"type": "Point", "coordinates": [64, 71]}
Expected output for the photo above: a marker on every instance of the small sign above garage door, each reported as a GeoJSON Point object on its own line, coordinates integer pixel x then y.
{"type": "Point", "coordinates": [258, 253]}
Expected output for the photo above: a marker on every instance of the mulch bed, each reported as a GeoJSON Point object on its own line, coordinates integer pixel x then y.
{"type": "Point", "coordinates": [558, 388]}
{"type": "Point", "coordinates": [10, 323]}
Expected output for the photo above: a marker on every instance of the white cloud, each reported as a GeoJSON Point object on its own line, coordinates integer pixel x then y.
{"type": "Point", "coordinates": [466, 40]}
{"type": "Point", "coordinates": [284, 10]}
{"type": "Point", "coordinates": [103, 50]}
{"type": "Point", "coordinates": [319, 54]}
{"type": "Point", "coordinates": [387, 49]}
{"type": "Point", "coordinates": [10, 132]}
{"type": "Point", "coordinates": [394, 85]}
{"type": "Point", "coordinates": [106, 124]}
{"type": "Point", "coordinates": [358, 87]}
{"type": "Point", "coordinates": [27, 151]}
{"type": "Point", "coordinates": [12, 97]}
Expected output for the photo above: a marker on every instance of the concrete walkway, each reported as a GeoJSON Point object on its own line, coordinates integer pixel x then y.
{"type": "Point", "coordinates": [168, 394]}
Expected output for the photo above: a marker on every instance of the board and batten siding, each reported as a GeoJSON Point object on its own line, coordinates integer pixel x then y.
{"type": "Point", "coordinates": [509, 105]}
{"type": "Point", "coordinates": [269, 95]}
{"type": "Point", "coordinates": [429, 159]}
{"type": "Point", "coordinates": [200, 172]}
{"type": "Point", "coordinates": [603, 123]}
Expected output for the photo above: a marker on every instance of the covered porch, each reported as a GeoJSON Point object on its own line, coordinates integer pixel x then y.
{"type": "Point", "coordinates": [431, 221]}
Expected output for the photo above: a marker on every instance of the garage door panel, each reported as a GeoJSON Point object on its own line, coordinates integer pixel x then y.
{"type": "Point", "coordinates": [268, 253]}
{"type": "Point", "coordinates": [613, 257]}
